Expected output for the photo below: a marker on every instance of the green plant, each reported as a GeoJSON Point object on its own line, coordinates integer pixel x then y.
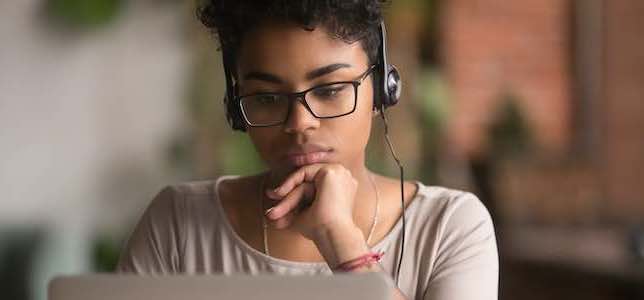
{"type": "Point", "coordinates": [105, 253]}
{"type": "Point", "coordinates": [84, 13]}
{"type": "Point", "coordinates": [510, 134]}
{"type": "Point", "coordinates": [239, 156]}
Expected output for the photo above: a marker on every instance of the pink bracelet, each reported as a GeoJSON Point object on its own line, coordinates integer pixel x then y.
{"type": "Point", "coordinates": [360, 261]}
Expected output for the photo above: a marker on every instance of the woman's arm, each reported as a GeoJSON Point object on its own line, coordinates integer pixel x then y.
{"type": "Point", "coordinates": [345, 242]}
{"type": "Point", "coordinates": [466, 265]}
{"type": "Point", "coordinates": [153, 246]}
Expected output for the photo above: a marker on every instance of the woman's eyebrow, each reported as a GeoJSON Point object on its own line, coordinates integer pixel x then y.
{"type": "Point", "coordinates": [325, 70]}
{"type": "Point", "coordinates": [263, 76]}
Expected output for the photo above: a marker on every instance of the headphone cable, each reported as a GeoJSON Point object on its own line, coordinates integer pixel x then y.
{"type": "Point", "coordinates": [402, 189]}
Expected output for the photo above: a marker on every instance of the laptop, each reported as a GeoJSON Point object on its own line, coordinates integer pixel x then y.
{"type": "Point", "coordinates": [347, 286]}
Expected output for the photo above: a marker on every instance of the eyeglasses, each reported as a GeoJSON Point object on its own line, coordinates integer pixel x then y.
{"type": "Point", "coordinates": [329, 100]}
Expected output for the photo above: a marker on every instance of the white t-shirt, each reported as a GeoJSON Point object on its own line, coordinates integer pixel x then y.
{"type": "Point", "coordinates": [450, 248]}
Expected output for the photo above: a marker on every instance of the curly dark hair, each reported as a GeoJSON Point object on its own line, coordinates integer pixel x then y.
{"type": "Point", "coordinates": [348, 20]}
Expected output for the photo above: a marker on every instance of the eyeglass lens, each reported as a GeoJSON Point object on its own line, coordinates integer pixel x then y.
{"type": "Point", "coordinates": [325, 101]}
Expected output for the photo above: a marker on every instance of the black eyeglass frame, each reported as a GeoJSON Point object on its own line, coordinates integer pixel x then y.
{"type": "Point", "coordinates": [301, 96]}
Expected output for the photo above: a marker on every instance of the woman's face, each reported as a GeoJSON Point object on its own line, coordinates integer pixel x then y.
{"type": "Point", "coordinates": [285, 58]}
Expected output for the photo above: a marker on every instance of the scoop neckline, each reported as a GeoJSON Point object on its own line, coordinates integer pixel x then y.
{"type": "Point", "coordinates": [298, 264]}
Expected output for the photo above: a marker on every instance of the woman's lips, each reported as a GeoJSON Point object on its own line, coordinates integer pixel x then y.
{"type": "Point", "coordinates": [302, 159]}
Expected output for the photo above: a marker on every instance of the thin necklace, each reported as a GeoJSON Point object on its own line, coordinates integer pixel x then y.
{"type": "Point", "coordinates": [265, 225]}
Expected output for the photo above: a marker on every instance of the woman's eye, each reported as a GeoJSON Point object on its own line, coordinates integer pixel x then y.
{"type": "Point", "coordinates": [266, 99]}
{"type": "Point", "coordinates": [328, 92]}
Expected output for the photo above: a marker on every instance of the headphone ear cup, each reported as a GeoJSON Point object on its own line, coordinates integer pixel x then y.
{"type": "Point", "coordinates": [238, 122]}
{"type": "Point", "coordinates": [233, 111]}
{"type": "Point", "coordinates": [394, 86]}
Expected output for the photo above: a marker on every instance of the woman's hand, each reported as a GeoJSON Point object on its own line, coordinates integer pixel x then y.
{"type": "Point", "coordinates": [333, 190]}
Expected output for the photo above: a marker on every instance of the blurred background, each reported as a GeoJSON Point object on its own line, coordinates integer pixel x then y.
{"type": "Point", "coordinates": [533, 105]}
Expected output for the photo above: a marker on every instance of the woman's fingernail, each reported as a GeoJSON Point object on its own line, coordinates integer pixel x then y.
{"type": "Point", "coordinates": [268, 211]}
{"type": "Point", "coordinates": [271, 194]}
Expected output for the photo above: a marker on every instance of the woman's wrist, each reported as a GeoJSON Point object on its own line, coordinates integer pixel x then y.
{"type": "Point", "coordinates": [360, 263]}
{"type": "Point", "coordinates": [340, 243]}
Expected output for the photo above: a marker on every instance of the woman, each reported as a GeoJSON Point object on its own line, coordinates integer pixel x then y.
{"type": "Point", "coordinates": [305, 81]}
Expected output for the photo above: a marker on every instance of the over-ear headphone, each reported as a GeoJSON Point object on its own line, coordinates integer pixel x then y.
{"type": "Point", "coordinates": [387, 78]}
{"type": "Point", "coordinates": [387, 84]}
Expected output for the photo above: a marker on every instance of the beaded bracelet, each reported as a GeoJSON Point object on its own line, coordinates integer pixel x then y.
{"type": "Point", "coordinates": [360, 261]}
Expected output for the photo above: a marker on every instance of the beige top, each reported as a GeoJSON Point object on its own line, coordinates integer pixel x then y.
{"type": "Point", "coordinates": [450, 246]}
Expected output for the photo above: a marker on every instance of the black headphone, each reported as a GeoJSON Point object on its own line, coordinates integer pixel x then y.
{"type": "Point", "coordinates": [387, 85]}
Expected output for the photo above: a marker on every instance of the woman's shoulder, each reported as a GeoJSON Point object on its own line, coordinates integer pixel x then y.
{"type": "Point", "coordinates": [187, 195]}
{"type": "Point", "coordinates": [200, 189]}
{"type": "Point", "coordinates": [451, 206]}
{"type": "Point", "coordinates": [439, 194]}
{"type": "Point", "coordinates": [196, 188]}
{"type": "Point", "coordinates": [203, 197]}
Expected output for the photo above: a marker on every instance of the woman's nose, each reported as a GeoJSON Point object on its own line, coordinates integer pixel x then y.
{"type": "Point", "coordinates": [300, 118]}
